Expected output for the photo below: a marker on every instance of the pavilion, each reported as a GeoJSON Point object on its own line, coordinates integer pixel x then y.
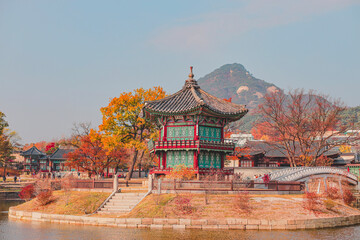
{"type": "Point", "coordinates": [32, 158]}
{"type": "Point", "coordinates": [191, 123]}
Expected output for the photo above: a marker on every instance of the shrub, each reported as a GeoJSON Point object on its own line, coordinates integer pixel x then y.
{"type": "Point", "coordinates": [183, 205]}
{"type": "Point", "coordinates": [182, 172]}
{"type": "Point", "coordinates": [242, 202]}
{"type": "Point", "coordinates": [42, 185]}
{"type": "Point", "coordinates": [348, 197]}
{"type": "Point", "coordinates": [329, 204]}
{"type": "Point", "coordinates": [332, 193]}
{"type": "Point", "coordinates": [312, 201]}
{"type": "Point", "coordinates": [44, 197]}
{"type": "Point", "coordinates": [27, 192]}
{"type": "Point", "coordinates": [266, 179]}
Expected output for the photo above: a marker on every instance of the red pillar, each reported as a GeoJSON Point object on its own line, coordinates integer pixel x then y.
{"type": "Point", "coordinates": [222, 160]}
{"type": "Point", "coordinates": [159, 165]}
{"type": "Point", "coordinates": [196, 135]}
{"type": "Point", "coordinates": [164, 160]}
{"type": "Point", "coordinates": [165, 133]}
{"type": "Point", "coordinates": [196, 162]}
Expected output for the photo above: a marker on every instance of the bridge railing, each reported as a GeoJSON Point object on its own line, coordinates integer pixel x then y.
{"type": "Point", "coordinates": [293, 174]}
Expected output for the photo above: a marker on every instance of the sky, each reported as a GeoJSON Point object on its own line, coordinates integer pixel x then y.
{"type": "Point", "coordinates": [61, 61]}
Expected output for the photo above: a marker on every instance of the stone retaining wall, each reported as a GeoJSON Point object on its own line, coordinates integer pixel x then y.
{"type": "Point", "coordinates": [160, 223]}
{"type": "Point", "coordinates": [9, 196]}
{"type": "Point", "coordinates": [255, 192]}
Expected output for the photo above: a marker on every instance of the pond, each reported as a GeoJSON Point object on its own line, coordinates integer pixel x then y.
{"type": "Point", "coordinates": [33, 230]}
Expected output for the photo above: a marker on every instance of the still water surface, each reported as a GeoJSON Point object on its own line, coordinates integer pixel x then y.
{"type": "Point", "coordinates": [32, 230]}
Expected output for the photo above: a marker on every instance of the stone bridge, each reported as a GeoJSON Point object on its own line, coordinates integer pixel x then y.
{"type": "Point", "coordinates": [305, 173]}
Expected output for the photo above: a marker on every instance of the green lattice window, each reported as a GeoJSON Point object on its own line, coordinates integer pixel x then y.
{"type": "Point", "coordinates": [210, 133]}
{"type": "Point", "coordinates": [209, 160]}
{"type": "Point", "coordinates": [354, 170]}
{"type": "Point", "coordinates": [180, 133]}
{"type": "Point", "coordinates": [176, 158]}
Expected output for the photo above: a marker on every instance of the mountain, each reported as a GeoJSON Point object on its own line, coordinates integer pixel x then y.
{"type": "Point", "coordinates": [235, 82]}
{"type": "Point", "coordinates": [351, 116]}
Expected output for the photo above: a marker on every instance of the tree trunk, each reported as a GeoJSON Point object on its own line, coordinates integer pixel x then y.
{"type": "Point", "coordinates": [5, 168]}
{"type": "Point", "coordinates": [131, 169]}
{"type": "Point", "coordinates": [142, 155]}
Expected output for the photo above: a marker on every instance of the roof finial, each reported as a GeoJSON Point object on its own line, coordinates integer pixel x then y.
{"type": "Point", "coordinates": [191, 75]}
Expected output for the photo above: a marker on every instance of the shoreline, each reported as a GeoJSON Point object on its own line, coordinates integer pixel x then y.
{"type": "Point", "coordinates": [206, 224]}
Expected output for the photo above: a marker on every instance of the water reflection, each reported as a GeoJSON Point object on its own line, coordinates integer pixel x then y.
{"type": "Point", "coordinates": [33, 230]}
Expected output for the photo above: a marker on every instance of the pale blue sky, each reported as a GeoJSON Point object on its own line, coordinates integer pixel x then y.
{"type": "Point", "coordinates": [60, 61]}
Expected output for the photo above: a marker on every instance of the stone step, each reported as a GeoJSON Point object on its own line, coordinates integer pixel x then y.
{"type": "Point", "coordinates": [129, 194]}
{"type": "Point", "coordinates": [124, 199]}
{"type": "Point", "coordinates": [120, 203]}
{"type": "Point", "coordinates": [116, 209]}
{"type": "Point", "coordinates": [110, 212]}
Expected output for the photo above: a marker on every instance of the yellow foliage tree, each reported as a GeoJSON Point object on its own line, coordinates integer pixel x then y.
{"type": "Point", "coordinates": [122, 123]}
{"type": "Point", "coordinates": [345, 148]}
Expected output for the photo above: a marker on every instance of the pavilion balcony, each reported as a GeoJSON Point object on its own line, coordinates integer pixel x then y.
{"type": "Point", "coordinates": [203, 171]}
{"type": "Point", "coordinates": [191, 144]}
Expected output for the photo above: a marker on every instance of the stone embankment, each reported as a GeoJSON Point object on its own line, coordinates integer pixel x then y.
{"type": "Point", "coordinates": [157, 223]}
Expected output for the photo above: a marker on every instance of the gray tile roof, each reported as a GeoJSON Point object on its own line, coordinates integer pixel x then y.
{"type": "Point", "coordinates": [191, 98]}
{"type": "Point", "coordinates": [60, 154]}
{"type": "Point", "coordinates": [274, 150]}
{"type": "Point", "coordinates": [33, 151]}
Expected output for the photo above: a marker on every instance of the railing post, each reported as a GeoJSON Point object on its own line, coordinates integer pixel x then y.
{"type": "Point", "coordinates": [232, 185]}
{"type": "Point", "coordinates": [93, 183]}
{"type": "Point", "coordinates": [159, 186]}
{"type": "Point", "coordinates": [116, 183]}
{"type": "Point", "coordinates": [175, 184]}
{"type": "Point", "coordinates": [277, 186]}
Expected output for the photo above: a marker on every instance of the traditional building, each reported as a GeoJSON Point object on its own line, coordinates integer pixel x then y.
{"type": "Point", "coordinates": [32, 158]}
{"type": "Point", "coordinates": [270, 154]}
{"type": "Point", "coordinates": [58, 159]}
{"type": "Point", "coordinates": [38, 161]}
{"type": "Point", "coordinates": [191, 123]}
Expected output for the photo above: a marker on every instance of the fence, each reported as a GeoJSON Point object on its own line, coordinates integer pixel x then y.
{"type": "Point", "coordinates": [177, 185]}
{"type": "Point", "coordinates": [107, 184]}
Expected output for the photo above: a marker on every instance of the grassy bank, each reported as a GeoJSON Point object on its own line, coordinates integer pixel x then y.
{"type": "Point", "coordinates": [268, 207]}
{"type": "Point", "coordinates": [69, 203]}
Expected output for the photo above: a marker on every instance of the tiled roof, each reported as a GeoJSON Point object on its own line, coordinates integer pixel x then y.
{"type": "Point", "coordinates": [273, 150]}
{"type": "Point", "coordinates": [192, 98]}
{"type": "Point", "coordinates": [59, 154]}
{"type": "Point", "coordinates": [32, 152]}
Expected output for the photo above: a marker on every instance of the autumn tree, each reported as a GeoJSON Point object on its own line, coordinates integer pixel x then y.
{"type": "Point", "coordinates": [6, 147]}
{"type": "Point", "coordinates": [123, 124]}
{"type": "Point", "coordinates": [79, 130]}
{"type": "Point", "coordinates": [93, 157]}
{"type": "Point", "coordinates": [303, 124]}
{"type": "Point", "coordinates": [51, 148]}
{"type": "Point", "coordinates": [39, 145]}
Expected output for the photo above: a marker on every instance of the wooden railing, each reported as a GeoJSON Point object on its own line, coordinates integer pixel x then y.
{"type": "Point", "coordinates": [177, 185]}
{"type": "Point", "coordinates": [101, 184]}
{"type": "Point", "coordinates": [190, 144]}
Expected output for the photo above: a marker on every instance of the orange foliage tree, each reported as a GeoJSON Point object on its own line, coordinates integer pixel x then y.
{"type": "Point", "coordinates": [93, 157]}
{"type": "Point", "coordinates": [122, 123]}
{"type": "Point", "coordinates": [181, 172]}
{"type": "Point", "coordinates": [302, 123]}
{"type": "Point", "coordinates": [39, 145]}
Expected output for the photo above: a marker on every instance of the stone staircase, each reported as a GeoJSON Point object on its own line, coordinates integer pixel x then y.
{"type": "Point", "coordinates": [121, 203]}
